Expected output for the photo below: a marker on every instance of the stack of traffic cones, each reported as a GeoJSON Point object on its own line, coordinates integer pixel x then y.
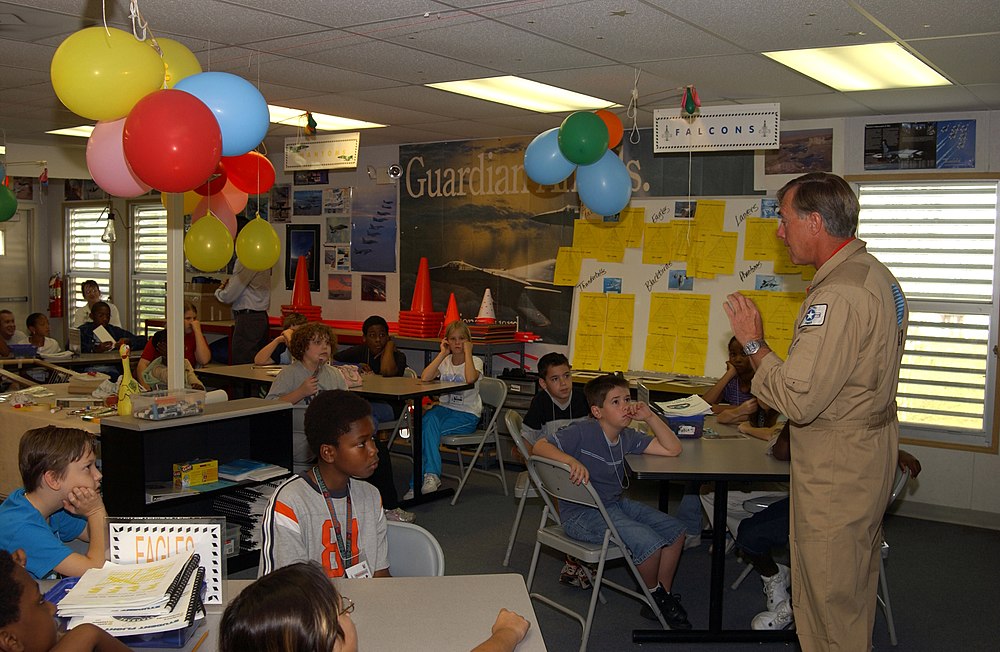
{"type": "Point", "coordinates": [301, 299]}
{"type": "Point", "coordinates": [421, 320]}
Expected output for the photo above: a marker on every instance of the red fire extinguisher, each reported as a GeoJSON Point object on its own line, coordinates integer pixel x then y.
{"type": "Point", "coordinates": [55, 296]}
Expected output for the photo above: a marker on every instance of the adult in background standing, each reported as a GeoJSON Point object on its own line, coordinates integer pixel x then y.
{"type": "Point", "coordinates": [249, 292]}
{"type": "Point", "coordinates": [838, 389]}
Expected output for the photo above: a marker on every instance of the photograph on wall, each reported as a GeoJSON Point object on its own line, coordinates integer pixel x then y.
{"type": "Point", "coordinates": [685, 208]}
{"type": "Point", "coordinates": [612, 285]}
{"type": "Point", "coordinates": [771, 282]}
{"type": "Point", "coordinates": [337, 201]}
{"type": "Point", "coordinates": [330, 257]}
{"type": "Point", "coordinates": [72, 189]}
{"type": "Point", "coordinates": [338, 229]}
{"type": "Point", "coordinates": [302, 241]}
{"type": "Point", "coordinates": [307, 203]}
{"type": "Point", "coordinates": [932, 145]}
{"type": "Point", "coordinates": [679, 280]}
{"type": "Point", "coordinates": [23, 187]}
{"type": "Point", "coordinates": [801, 152]}
{"type": "Point", "coordinates": [311, 177]}
{"type": "Point", "coordinates": [373, 287]}
{"type": "Point", "coordinates": [467, 207]}
{"type": "Point", "coordinates": [281, 204]}
{"type": "Point", "coordinates": [256, 204]}
{"type": "Point", "coordinates": [373, 243]}
{"type": "Point", "coordinates": [769, 207]}
{"type": "Point", "coordinates": [342, 259]}
{"type": "Point", "coordinates": [338, 287]}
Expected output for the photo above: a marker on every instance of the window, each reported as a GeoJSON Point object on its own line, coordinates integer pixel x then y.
{"type": "Point", "coordinates": [149, 262]}
{"type": "Point", "coordinates": [88, 257]}
{"type": "Point", "coordinates": [939, 241]}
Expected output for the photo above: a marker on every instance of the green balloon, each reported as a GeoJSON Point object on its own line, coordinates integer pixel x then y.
{"type": "Point", "coordinates": [8, 203]}
{"type": "Point", "coordinates": [583, 137]}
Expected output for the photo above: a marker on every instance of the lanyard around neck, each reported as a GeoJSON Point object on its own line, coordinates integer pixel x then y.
{"type": "Point", "coordinates": [345, 550]}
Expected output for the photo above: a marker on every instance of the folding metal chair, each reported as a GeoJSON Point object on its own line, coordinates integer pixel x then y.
{"type": "Point", "coordinates": [553, 478]}
{"type": "Point", "coordinates": [902, 477]}
{"type": "Point", "coordinates": [413, 551]}
{"type": "Point", "coordinates": [403, 423]}
{"type": "Point", "coordinates": [493, 393]}
{"type": "Point", "coordinates": [527, 484]}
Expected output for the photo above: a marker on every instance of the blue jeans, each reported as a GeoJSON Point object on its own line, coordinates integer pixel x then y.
{"type": "Point", "coordinates": [689, 513]}
{"type": "Point", "coordinates": [644, 529]}
{"type": "Point", "coordinates": [440, 421]}
{"type": "Point", "coordinates": [765, 530]}
{"type": "Point", "coordinates": [382, 413]}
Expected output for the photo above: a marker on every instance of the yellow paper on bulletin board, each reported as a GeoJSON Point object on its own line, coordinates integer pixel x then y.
{"type": "Point", "coordinates": [586, 238]}
{"type": "Point", "coordinates": [617, 352]}
{"type": "Point", "coordinates": [659, 354]}
{"type": "Point", "coordinates": [710, 215]}
{"type": "Point", "coordinates": [621, 311]}
{"type": "Point", "coordinates": [592, 312]}
{"type": "Point", "coordinates": [657, 243]}
{"type": "Point", "coordinates": [587, 350]}
{"type": "Point", "coordinates": [760, 241]}
{"type": "Point", "coordinates": [568, 262]}
{"type": "Point", "coordinates": [633, 220]}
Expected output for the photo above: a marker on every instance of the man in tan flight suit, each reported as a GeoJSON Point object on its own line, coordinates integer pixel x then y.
{"type": "Point", "coordinates": [838, 389]}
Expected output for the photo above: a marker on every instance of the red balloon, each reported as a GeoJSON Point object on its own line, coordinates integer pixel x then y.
{"type": "Point", "coordinates": [251, 172]}
{"type": "Point", "coordinates": [215, 184]}
{"type": "Point", "coordinates": [614, 124]}
{"type": "Point", "coordinates": [172, 141]}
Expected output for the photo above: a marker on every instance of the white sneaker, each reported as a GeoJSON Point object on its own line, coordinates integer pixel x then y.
{"type": "Point", "coordinates": [409, 494]}
{"type": "Point", "coordinates": [780, 618]}
{"type": "Point", "coordinates": [776, 587]}
{"type": "Point", "coordinates": [431, 483]}
{"type": "Point", "coordinates": [401, 515]}
{"type": "Point", "coordinates": [692, 542]}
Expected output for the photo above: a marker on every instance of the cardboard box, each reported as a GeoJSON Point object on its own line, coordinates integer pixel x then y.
{"type": "Point", "coordinates": [209, 308]}
{"type": "Point", "coordinates": [201, 288]}
{"type": "Point", "coordinates": [195, 472]}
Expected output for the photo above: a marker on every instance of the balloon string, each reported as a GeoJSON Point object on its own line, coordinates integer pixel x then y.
{"type": "Point", "coordinates": [633, 110]}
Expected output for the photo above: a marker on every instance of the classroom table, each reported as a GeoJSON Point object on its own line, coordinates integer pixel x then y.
{"type": "Point", "coordinates": [429, 345]}
{"type": "Point", "coordinates": [249, 378]}
{"type": "Point", "coordinates": [732, 457]}
{"type": "Point", "coordinates": [394, 388]}
{"type": "Point", "coordinates": [15, 421]}
{"type": "Point", "coordinates": [664, 387]}
{"type": "Point", "coordinates": [454, 612]}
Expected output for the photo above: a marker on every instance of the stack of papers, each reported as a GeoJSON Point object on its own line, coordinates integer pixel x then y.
{"type": "Point", "coordinates": [128, 599]}
{"type": "Point", "coordinates": [243, 469]}
{"type": "Point", "coordinates": [62, 355]}
{"type": "Point", "coordinates": [685, 407]}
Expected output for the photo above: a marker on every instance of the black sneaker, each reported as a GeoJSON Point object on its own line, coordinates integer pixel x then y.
{"type": "Point", "coordinates": [670, 607]}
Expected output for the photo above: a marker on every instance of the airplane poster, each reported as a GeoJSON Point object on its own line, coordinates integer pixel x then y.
{"type": "Point", "coordinates": [944, 144]}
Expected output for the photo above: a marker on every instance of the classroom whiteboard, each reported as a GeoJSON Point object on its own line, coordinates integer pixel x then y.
{"type": "Point", "coordinates": [676, 258]}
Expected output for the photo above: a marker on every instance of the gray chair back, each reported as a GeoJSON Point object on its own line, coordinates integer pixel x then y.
{"type": "Point", "coordinates": [413, 551]}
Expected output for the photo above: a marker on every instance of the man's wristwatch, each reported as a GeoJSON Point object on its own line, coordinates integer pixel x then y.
{"type": "Point", "coordinates": [752, 346]}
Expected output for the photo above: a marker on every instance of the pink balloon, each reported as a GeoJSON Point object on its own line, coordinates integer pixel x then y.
{"type": "Point", "coordinates": [220, 208]}
{"type": "Point", "coordinates": [235, 198]}
{"type": "Point", "coordinates": [107, 164]}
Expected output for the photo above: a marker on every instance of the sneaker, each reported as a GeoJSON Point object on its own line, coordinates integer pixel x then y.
{"type": "Point", "coordinates": [409, 494]}
{"type": "Point", "coordinates": [776, 587]}
{"type": "Point", "coordinates": [692, 542]}
{"type": "Point", "coordinates": [401, 515]}
{"type": "Point", "coordinates": [670, 607]}
{"type": "Point", "coordinates": [431, 484]}
{"type": "Point", "coordinates": [730, 544]}
{"type": "Point", "coordinates": [780, 618]}
{"type": "Point", "coordinates": [569, 574]}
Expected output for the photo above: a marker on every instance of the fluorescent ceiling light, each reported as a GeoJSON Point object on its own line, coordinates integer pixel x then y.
{"type": "Point", "coordinates": [524, 94]}
{"type": "Point", "coordinates": [83, 131]}
{"type": "Point", "coordinates": [297, 118]}
{"type": "Point", "coordinates": [861, 67]}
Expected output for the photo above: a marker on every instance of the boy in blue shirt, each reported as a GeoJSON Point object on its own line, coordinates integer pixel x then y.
{"type": "Point", "coordinates": [595, 451]}
{"type": "Point", "coordinates": [59, 502]}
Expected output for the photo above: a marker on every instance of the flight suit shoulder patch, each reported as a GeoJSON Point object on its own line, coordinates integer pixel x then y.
{"type": "Point", "coordinates": [815, 315]}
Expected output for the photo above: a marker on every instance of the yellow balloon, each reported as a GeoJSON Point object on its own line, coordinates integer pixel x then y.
{"type": "Point", "coordinates": [191, 199]}
{"type": "Point", "coordinates": [101, 74]}
{"type": "Point", "coordinates": [178, 61]}
{"type": "Point", "coordinates": [208, 244]}
{"type": "Point", "coordinates": [258, 246]}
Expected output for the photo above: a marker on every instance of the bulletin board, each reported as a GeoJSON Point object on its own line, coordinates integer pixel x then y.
{"type": "Point", "coordinates": [650, 284]}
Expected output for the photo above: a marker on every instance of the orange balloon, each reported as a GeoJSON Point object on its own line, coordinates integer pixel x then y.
{"type": "Point", "coordinates": [614, 124]}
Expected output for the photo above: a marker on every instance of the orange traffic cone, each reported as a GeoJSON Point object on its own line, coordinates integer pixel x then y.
{"type": "Point", "coordinates": [451, 314]}
{"type": "Point", "coordinates": [300, 291]}
{"type": "Point", "coordinates": [486, 313]}
{"type": "Point", "coordinates": [422, 290]}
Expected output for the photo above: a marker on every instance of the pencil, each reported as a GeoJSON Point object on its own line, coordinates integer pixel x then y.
{"type": "Point", "coordinates": [200, 641]}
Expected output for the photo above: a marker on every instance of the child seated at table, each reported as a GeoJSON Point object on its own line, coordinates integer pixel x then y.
{"type": "Point", "coordinates": [595, 451]}
{"type": "Point", "coordinates": [154, 376]}
{"type": "Point", "coordinates": [59, 502]}
{"type": "Point", "coordinates": [298, 609]}
{"type": "Point", "coordinates": [455, 414]}
{"type": "Point", "coordinates": [27, 620]}
{"type": "Point", "coordinates": [38, 333]}
{"type": "Point", "coordinates": [100, 315]}
{"type": "Point", "coordinates": [276, 351]}
{"type": "Point", "coordinates": [196, 350]}
{"type": "Point", "coordinates": [327, 514]}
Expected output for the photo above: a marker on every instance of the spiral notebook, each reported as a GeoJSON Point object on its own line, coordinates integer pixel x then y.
{"type": "Point", "coordinates": [152, 589]}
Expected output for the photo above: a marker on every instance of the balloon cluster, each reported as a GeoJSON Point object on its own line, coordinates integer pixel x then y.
{"type": "Point", "coordinates": [8, 200]}
{"type": "Point", "coordinates": [165, 124]}
{"type": "Point", "coordinates": [584, 139]}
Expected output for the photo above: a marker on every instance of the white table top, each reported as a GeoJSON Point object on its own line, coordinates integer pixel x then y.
{"type": "Point", "coordinates": [455, 612]}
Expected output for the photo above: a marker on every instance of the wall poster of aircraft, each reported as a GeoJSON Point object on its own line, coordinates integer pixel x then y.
{"type": "Point", "coordinates": [941, 144]}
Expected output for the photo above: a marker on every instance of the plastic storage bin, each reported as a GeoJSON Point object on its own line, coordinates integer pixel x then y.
{"type": "Point", "coordinates": [687, 427]}
{"type": "Point", "coordinates": [23, 350]}
{"type": "Point", "coordinates": [168, 404]}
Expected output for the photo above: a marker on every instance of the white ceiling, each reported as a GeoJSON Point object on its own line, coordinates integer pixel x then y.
{"type": "Point", "coordinates": [369, 59]}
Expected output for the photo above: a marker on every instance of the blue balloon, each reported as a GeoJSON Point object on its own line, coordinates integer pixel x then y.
{"type": "Point", "coordinates": [544, 163]}
{"type": "Point", "coordinates": [239, 108]}
{"type": "Point", "coordinates": [605, 186]}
